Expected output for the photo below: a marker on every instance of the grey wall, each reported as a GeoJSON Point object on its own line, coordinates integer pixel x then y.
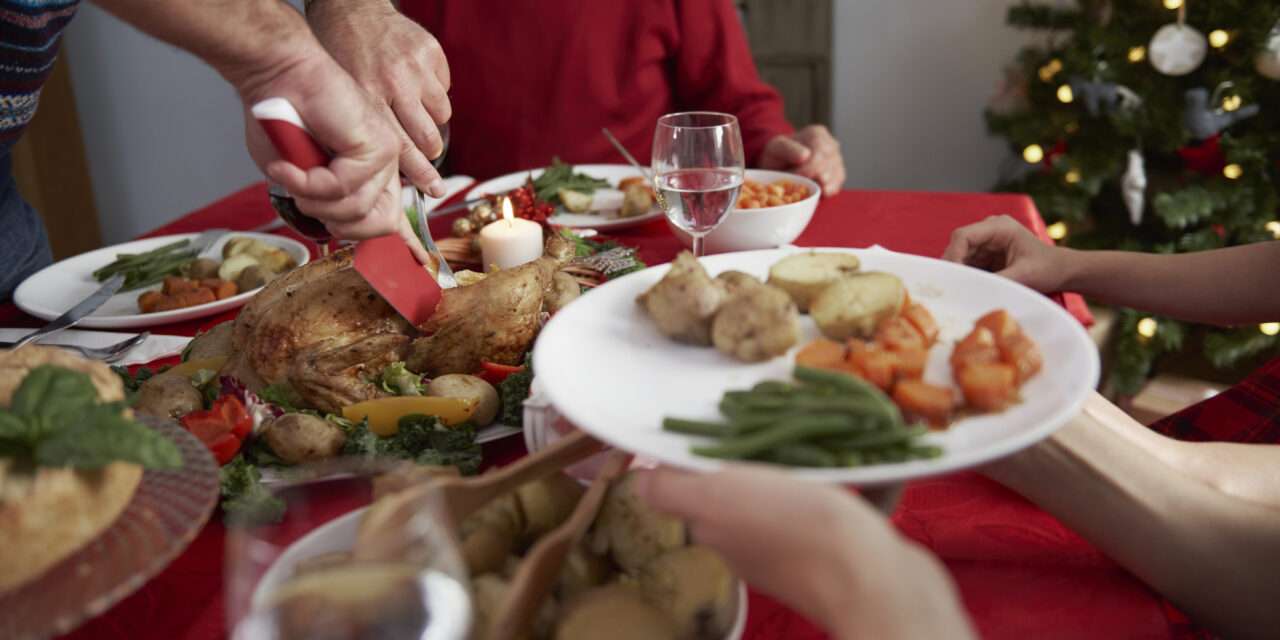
{"type": "Point", "coordinates": [163, 132]}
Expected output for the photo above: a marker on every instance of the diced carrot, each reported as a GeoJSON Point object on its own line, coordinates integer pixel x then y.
{"type": "Point", "coordinates": [148, 301]}
{"type": "Point", "coordinates": [1023, 355]}
{"type": "Point", "coordinates": [1001, 325]}
{"type": "Point", "coordinates": [221, 288]}
{"type": "Point", "coordinates": [988, 386]}
{"type": "Point", "coordinates": [175, 284]}
{"type": "Point", "coordinates": [822, 354]}
{"type": "Point", "coordinates": [931, 402]}
{"type": "Point", "coordinates": [923, 321]}
{"type": "Point", "coordinates": [910, 364]}
{"type": "Point", "coordinates": [979, 347]}
{"type": "Point", "coordinates": [873, 364]}
{"type": "Point", "coordinates": [184, 299]}
{"type": "Point", "coordinates": [897, 334]}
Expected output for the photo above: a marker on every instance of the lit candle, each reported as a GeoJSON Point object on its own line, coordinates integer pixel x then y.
{"type": "Point", "coordinates": [511, 241]}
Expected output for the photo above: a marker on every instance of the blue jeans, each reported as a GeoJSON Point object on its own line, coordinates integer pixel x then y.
{"type": "Point", "coordinates": [24, 247]}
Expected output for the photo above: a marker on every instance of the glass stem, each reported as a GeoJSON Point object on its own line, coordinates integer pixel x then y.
{"type": "Point", "coordinates": [698, 242]}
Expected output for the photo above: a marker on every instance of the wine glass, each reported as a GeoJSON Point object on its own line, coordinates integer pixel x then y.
{"type": "Point", "coordinates": [697, 170]}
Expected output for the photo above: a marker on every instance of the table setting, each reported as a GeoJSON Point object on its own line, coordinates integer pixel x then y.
{"type": "Point", "coordinates": [373, 419]}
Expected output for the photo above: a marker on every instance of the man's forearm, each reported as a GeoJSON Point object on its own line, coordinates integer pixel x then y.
{"type": "Point", "coordinates": [1224, 286]}
{"type": "Point", "coordinates": [244, 40]}
{"type": "Point", "coordinates": [1208, 551]}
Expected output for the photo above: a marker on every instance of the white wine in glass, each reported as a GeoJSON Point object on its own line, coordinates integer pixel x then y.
{"type": "Point", "coordinates": [697, 170]}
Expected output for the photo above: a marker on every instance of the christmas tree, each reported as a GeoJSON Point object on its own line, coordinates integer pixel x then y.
{"type": "Point", "coordinates": [1150, 125]}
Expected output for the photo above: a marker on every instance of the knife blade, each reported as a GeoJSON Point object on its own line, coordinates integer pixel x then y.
{"type": "Point", "coordinates": [444, 273]}
{"type": "Point", "coordinates": [77, 313]}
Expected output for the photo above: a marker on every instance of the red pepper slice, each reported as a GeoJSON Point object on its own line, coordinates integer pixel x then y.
{"type": "Point", "coordinates": [222, 428]}
{"type": "Point", "coordinates": [224, 448]}
{"type": "Point", "coordinates": [495, 373]}
{"type": "Point", "coordinates": [235, 414]}
{"type": "Point", "coordinates": [206, 426]}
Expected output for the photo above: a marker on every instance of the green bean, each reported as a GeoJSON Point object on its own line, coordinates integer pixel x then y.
{"type": "Point", "coordinates": [698, 427]}
{"type": "Point", "coordinates": [824, 378]}
{"type": "Point", "coordinates": [850, 458]}
{"type": "Point", "coordinates": [874, 439]}
{"type": "Point", "coordinates": [791, 430]}
{"type": "Point", "coordinates": [142, 269]}
{"type": "Point", "coordinates": [925, 452]}
{"type": "Point", "coordinates": [801, 454]}
{"type": "Point", "coordinates": [774, 386]}
{"type": "Point", "coordinates": [757, 400]}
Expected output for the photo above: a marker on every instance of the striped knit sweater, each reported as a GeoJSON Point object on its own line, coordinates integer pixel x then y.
{"type": "Point", "coordinates": [30, 32]}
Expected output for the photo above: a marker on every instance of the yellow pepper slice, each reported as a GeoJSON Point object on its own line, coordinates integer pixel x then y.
{"type": "Point", "coordinates": [384, 413]}
{"type": "Point", "coordinates": [190, 367]}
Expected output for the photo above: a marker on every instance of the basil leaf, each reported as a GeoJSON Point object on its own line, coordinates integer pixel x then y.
{"type": "Point", "coordinates": [52, 398]}
{"type": "Point", "coordinates": [100, 436]}
{"type": "Point", "coordinates": [13, 427]}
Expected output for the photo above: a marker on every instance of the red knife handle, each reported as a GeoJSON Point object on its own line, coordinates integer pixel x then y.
{"type": "Point", "coordinates": [288, 134]}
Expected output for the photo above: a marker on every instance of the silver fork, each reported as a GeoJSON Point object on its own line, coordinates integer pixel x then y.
{"type": "Point", "coordinates": [109, 353]}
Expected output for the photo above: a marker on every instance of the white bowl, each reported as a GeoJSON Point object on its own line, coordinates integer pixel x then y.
{"type": "Point", "coordinates": [764, 228]}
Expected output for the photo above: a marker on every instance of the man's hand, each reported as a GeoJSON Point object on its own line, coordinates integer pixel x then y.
{"type": "Point", "coordinates": [401, 66]}
{"type": "Point", "coordinates": [815, 547]}
{"type": "Point", "coordinates": [1002, 245]}
{"type": "Point", "coordinates": [811, 152]}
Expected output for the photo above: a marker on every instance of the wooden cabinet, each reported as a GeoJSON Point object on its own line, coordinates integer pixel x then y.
{"type": "Point", "coordinates": [791, 43]}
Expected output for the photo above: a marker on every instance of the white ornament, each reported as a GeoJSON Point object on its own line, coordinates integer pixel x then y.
{"type": "Point", "coordinates": [1177, 49]}
{"type": "Point", "coordinates": [1134, 186]}
{"type": "Point", "coordinates": [1267, 62]}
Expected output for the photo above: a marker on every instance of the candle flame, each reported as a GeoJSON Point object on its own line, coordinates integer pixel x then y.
{"type": "Point", "coordinates": [507, 213]}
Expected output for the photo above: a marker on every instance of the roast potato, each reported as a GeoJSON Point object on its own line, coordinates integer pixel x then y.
{"type": "Point", "coordinates": [736, 282]}
{"type": "Point", "coordinates": [632, 532]}
{"type": "Point", "coordinates": [805, 275]}
{"type": "Point", "coordinates": [489, 595]}
{"type": "Point", "coordinates": [582, 571]}
{"type": "Point", "coordinates": [300, 437]}
{"type": "Point", "coordinates": [168, 395]}
{"type": "Point", "coordinates": [615, 611]}
{"type": "Point", "coordinates": [564, 289]}
{"type": "Point", "coordinates": [214, 343]}
{"type": "Point", "coordinates": [758, 323]}
{"type": "Point", "coordinates": [253, 277]}
{"type": "Point", "coordinates": [547, 503]}
{"type": "Point", "coordinates": [202, 268]}
{"type": "Point", "coordinates": [854, 305]}
{"type": "Point", "coordinates": [466, 387]}
{"type": "Point", "coordinates": [490, 534]}
{"type": "Point", "coordinates": [683, 303]}
{"type": "Point", "coordinates": [694, 587]}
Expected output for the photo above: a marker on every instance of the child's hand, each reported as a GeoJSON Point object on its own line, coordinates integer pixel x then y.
{"type": "Point", "coordinates": [1002, 245]}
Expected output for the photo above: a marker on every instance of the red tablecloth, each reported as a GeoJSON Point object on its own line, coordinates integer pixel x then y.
{"type": "Point", "coordinates": [1020, 572]}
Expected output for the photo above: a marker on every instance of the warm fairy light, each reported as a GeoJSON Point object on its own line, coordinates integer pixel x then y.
{"type": "Point", "coordinates": [1219, 38]}
{"type": "Point", "coordinates": [1172, 4]}
{"type": "Point", "coordinates": [1269, 328]}
{"type": "Point", "coordinates": [1231, 103]}
{"type": "Point", "coordinates": [1051, 69]}
{"type": "Point", "coordinates": [1274, 228]}
{"type": "Point", "coordinates": [1065, 94]}
{"type": "Point", "coordinates": [1057, 230]}
{"type": "Point", "coordinates": [1233, 171]}
{"type": "Point", "coordinates": [1033, 153]}
{"type": "Point", "coordinates": [1072, 177]}
{"type": "Point", "coordinates": [1147, 327]}
{"type": "Point", "coordinates": [507, 212]}
{"type": "Point", "coordinates": [1137, 54]}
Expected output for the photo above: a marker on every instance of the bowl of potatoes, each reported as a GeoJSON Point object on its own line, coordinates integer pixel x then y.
{"type": "Point", "coordinates": [781, 206]}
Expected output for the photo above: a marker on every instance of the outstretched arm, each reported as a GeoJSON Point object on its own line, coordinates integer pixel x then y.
{"type": "Point", "coordinates": [1207, 536]}
{"type": "Point", "coordinates": [1224, 286]}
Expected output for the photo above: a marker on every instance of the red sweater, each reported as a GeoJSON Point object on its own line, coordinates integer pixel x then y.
{"type": "Point", "coordinates": [534, 79]}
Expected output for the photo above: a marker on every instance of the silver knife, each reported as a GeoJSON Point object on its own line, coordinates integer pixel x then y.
{"type": "Point", "coordinates": [76, 313]}
{"type": "Point", "coordinates": [444, 276]}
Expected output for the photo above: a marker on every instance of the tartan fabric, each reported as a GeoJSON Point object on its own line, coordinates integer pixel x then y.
{"type": "Point", "coordinates": [1248, 412]}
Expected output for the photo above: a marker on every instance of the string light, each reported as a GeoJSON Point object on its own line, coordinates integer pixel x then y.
{"type": "Point", "coordinates": [1072, 177]}
{"type": "Point", "coordinates": [1231, 103]}
{"type": "Point", "coordinates": [1269, 328]}
{"type": "Point", "coordinates": [1033, 153]}
{"type": "Point", "coordinates": [1233, 171]}
{"type": "Point", "coordinates": [1274, 228]}
{"type": "Point", "coordinates": [1172, 4]}
{"type": "Point", "coordinates": [1050, 69]}
{"type": "Point", "coordinates": [1057, 230]}
{"type": "Point", "coordinates": [1147, 327]}
{"type": "Point", "coordinates": [1219, 38]}
{"type": "Point", "coordinates": [1137, 54]}
{"type": "Point", "coordinates": [1065, 94]}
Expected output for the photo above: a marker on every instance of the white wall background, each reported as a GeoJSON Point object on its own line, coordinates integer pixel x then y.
{"type": "Point", "coordinates": [163, 131]}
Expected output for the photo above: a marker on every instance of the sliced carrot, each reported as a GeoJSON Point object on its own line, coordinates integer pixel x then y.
{"type": "Point", "coordinates": [873, 364]}
{"type": "Point", "coordinates": [931, 402]}
{"type": "Point", "coordinates": [979, 347]}
{"type": "Point", "coordinates": [910, 364]}
{"type": "Point", "coordinates": [923, 321]}
{"type": "Point", "coordinates": [149, 300]}
{"type": "Point", "coordinates": [897, 334]}
{"type": "Point", "coordinates": [1023, 354]}
{"type": "Point", "coordinates": [822, 354]}
{"type": "Point", "coordinates": [222, 289]}
{"type": "Point", "coordinates": [184, 299]}
{"type": "Point", "coordinates": [1001, 325]}
{"type": "Point", "coordinates": [175, 284]}
{"type": "Point", "coordinates": [988, 386]}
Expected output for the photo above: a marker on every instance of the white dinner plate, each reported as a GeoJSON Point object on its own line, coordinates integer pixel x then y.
{"type": "Point", "coordinates": [602, 221]}
{"type": "Point", "coordinates": [51, 291]}
{"type": "Point", "coordinates": [635, 376]}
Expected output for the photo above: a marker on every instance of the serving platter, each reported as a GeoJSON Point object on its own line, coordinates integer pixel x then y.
{"type": "Point", "coordinates": [49, 292]}
{"type": "Point", "coordinates": [635, 376]}
{"type": "Point", "coordinates": [602, 222]}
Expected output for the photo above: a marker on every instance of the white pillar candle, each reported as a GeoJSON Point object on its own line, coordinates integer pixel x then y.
{"type": "Point", "coordinates": [511, 241]}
